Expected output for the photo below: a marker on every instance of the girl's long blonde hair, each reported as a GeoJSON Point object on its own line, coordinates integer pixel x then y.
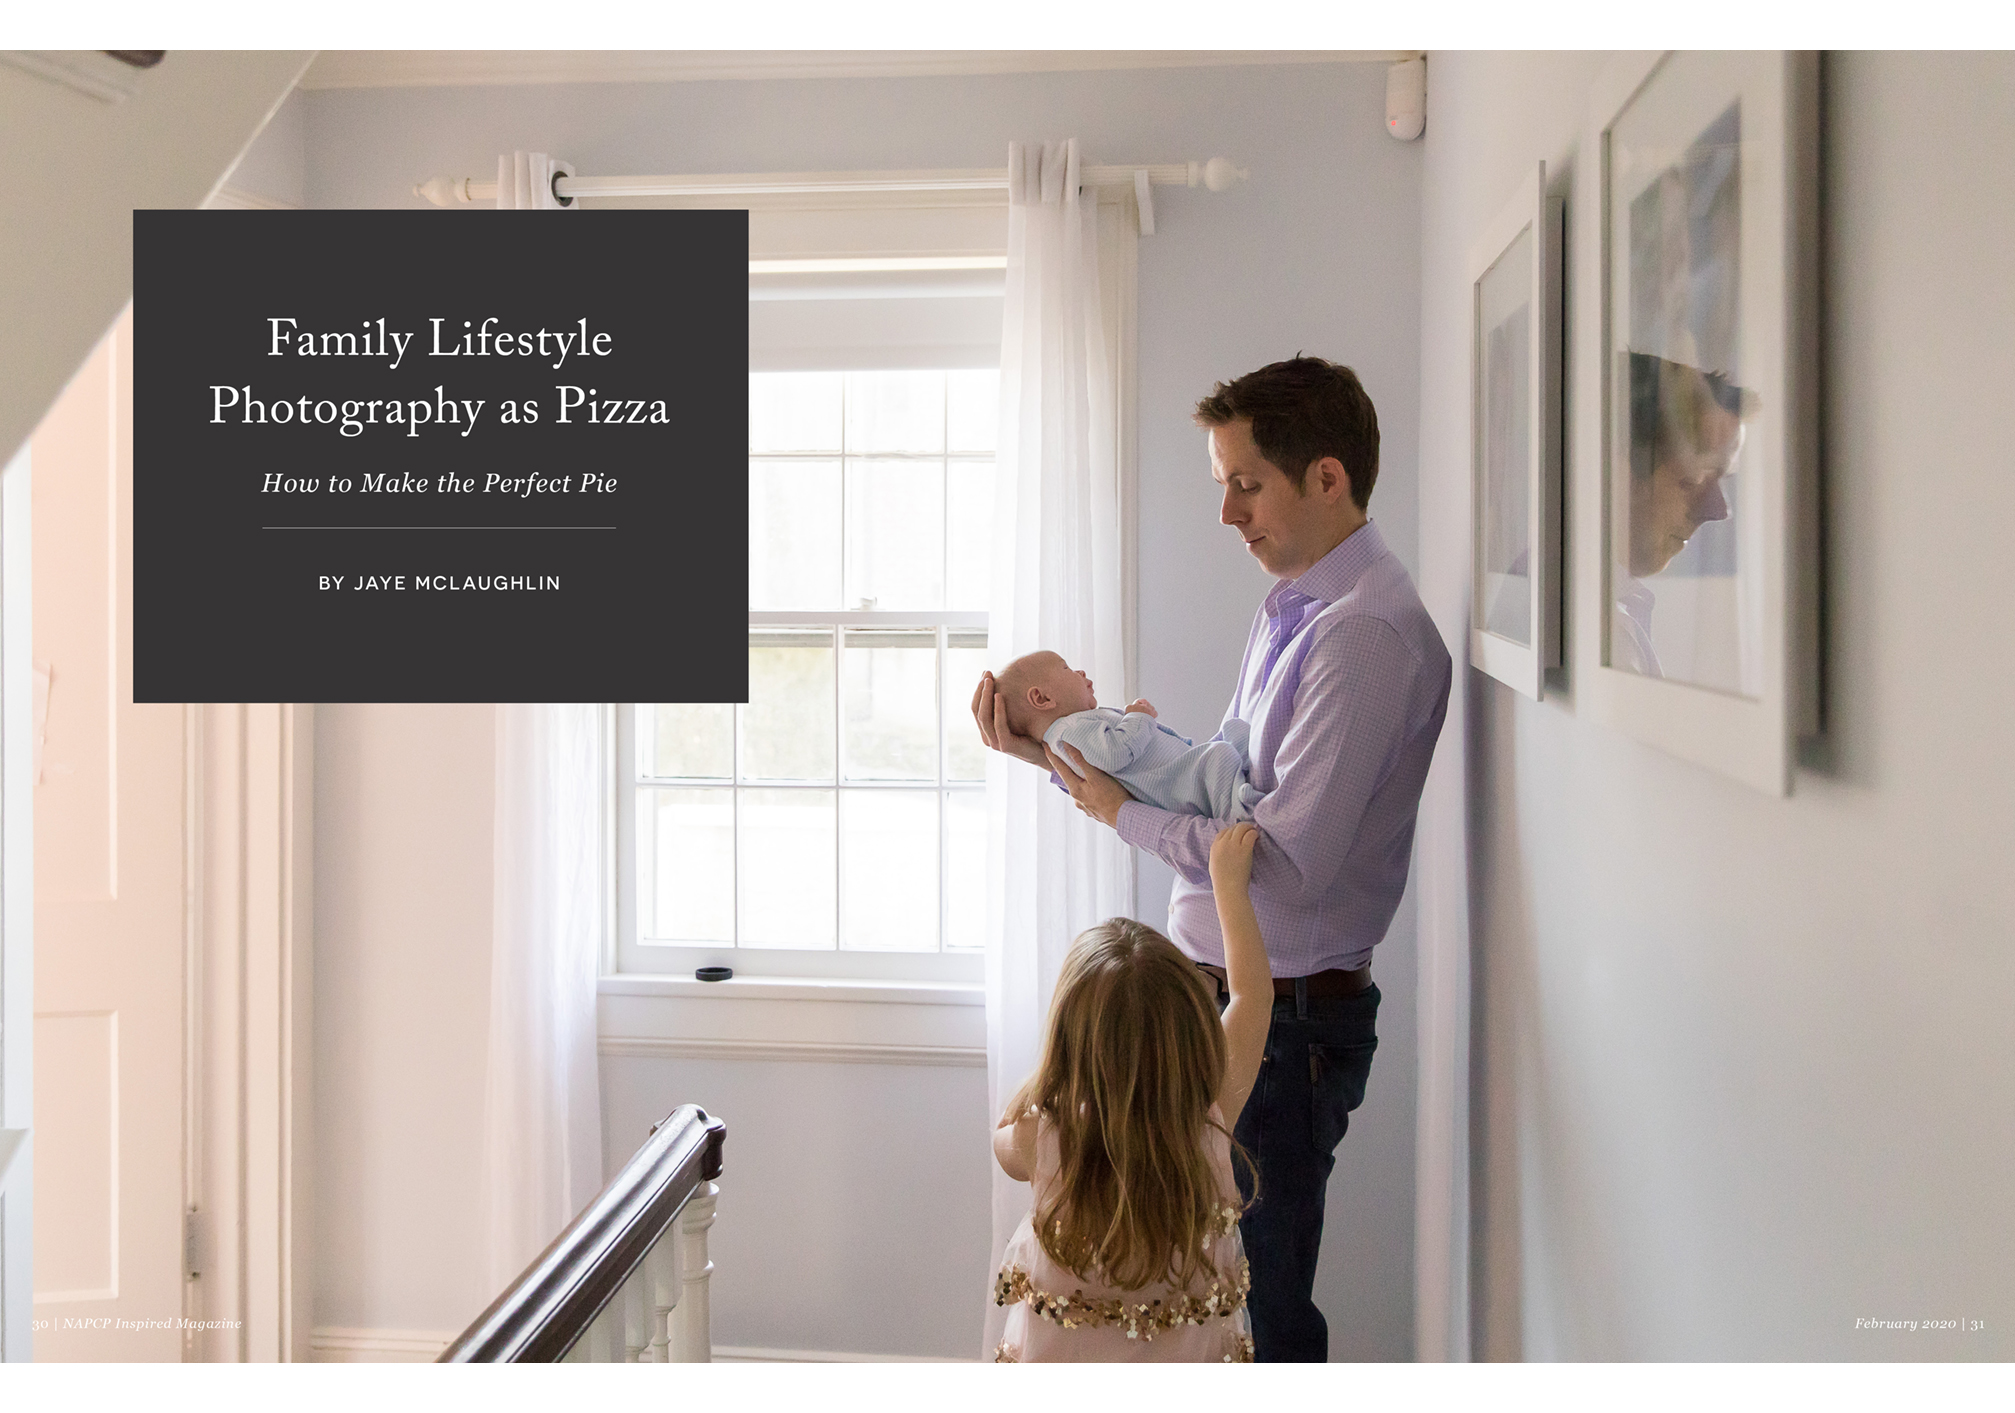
{"type": "Point", "coordinates": [1131, 1065]}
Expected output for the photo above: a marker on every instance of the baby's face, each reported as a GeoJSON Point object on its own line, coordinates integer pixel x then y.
{"type": "Point", "coordinates": [1070, 688]}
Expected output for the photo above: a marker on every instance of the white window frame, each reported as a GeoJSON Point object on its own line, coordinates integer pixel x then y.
{"type": "Point", "coordinates": [637, 957]}
{"type": "Point", "coordinates": [946, 984]}
{"type": "Point", "coordinates": [965, 967]}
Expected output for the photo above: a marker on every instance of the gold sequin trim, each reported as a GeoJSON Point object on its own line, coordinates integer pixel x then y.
{"type": "Point", "coordinates": [1005, 1353]}
{"type": "Point", "coordinates": [1142, 1320]}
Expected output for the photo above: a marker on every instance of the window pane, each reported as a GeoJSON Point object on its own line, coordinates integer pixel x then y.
{"type": "Point", "coordinates": [682, 739]}
{"type": "Point", "coordinates": [889, 704]}
{"type": "Point", "coordinates": [895, 412]}
{"type": "Point", "coordinates": [787, 726]}
{"type": "Point", "coordinates": [965, 660]}
{"type": "Point", "coordinates": [889, 863]}
{"type": "Point", "coordinates": [966, 870]}
{"type": "Point", "coordinates": [895, 534]}
{"type": "Point", "coordinates": [794, 534]}
{"type": "Point", "coordinates": [794, 412]}
{"type": "Point", "coordinates": [686, 845]}
{"type": "Point", "coordinates": [972, 403]}
{"type": "Point", "coordinates": [788, 866]}
{"type": "Point", "coordinates": [969, 494]}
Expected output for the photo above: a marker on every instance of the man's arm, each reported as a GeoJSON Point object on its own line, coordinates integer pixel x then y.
{"type": "Point", "coordinates": [1350, 719]}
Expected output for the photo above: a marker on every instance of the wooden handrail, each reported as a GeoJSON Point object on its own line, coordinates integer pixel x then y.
{"type": "Point", "coordinates": [546, 1309]}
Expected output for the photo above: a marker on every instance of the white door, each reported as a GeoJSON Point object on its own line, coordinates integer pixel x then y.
{"type": "Point", "coordinates": [107, 138]}
{"type": "Point", "coordinates": [109, 905]}
{"type": "Point", "coordinates": [17, 1030]}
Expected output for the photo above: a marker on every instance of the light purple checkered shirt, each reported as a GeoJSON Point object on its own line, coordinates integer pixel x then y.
{"type": "Point", "coordinates": [1344, 684]}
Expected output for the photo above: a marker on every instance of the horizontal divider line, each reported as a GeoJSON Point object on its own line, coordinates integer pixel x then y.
{"type": "Point", "coordinates": [439, 527]}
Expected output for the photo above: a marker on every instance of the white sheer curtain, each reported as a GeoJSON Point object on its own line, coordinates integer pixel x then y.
{"type": "Point", "coordinates": [1052, 872]}
{"type": "Point", "coordinates": [542, 1118]}
{"type": "Point", "coordinates": [542, 1115]}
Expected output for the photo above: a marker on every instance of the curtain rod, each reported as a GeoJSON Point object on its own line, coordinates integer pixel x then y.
{"type": "Point", "coordinates": [1214, 175]}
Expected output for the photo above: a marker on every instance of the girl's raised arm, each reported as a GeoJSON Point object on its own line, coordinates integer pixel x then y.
{"type": "Point", "coordinates": [1250, 981]}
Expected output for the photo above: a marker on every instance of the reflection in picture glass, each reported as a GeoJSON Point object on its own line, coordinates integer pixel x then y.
{"type": "Point", "coordinates": [1685, 600]}
{"type": "Point", "coordinates": [1504, 313]}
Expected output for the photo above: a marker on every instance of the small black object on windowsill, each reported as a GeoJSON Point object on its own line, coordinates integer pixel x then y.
{"type": "Point", "coordinates": [714, 974]}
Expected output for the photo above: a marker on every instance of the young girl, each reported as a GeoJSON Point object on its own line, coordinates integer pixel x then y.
{"type": "Point", "coordinates": [1131, 1249]}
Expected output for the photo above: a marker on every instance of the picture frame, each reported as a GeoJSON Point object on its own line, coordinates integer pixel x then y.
{"type": "Point", "coordinates": [1696, 525]}
{"type": "Point", "coordinates": [1514, 361]}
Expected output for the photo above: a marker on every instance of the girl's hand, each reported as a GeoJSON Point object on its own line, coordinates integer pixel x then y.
{"type": "Point", "coordinates": [1231, 857]}
{"type": "Point", "coordinates": [1143, 705]}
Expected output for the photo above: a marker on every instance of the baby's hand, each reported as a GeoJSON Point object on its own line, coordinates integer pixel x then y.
{"type": "Point", "coordinates": [1231, 857]}
{"type": "Point", "coordinates": [1143, 705]}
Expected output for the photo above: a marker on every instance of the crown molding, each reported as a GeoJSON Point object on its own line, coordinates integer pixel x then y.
{"type": "Point", "coordinates": [408, 68]}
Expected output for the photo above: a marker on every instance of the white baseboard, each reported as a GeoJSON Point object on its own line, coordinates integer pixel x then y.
{"type": "Point", "coordinates": [333, 1344]}
{"type": "Point", "coordinates": [342, 1344]}
{"type": "Point", "coordinates": [754, 1354]}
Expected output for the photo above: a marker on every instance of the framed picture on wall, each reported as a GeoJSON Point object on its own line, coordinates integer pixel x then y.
{"type": "Point", "coordinates": [1514, 419]}
{"type": "Point", "coordinates": [1696, 529]}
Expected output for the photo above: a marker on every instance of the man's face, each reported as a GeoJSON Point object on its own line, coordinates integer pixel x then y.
{"type": "Point", "coordinates": [1682, 493]}
{"type": "Point", "coordinates": [1285, 529]}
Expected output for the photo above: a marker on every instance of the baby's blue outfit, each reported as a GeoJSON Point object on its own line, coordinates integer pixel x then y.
{"type": "Point", "coordinates": [1161, 768]}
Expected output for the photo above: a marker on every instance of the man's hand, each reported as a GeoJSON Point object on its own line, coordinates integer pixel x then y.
{"type": "Point", "coordinates": [1095, 792]}
{"type": "Point", "coordinates": [1145, 706]}
{"type": "Point", "coordinates": [990, 715]}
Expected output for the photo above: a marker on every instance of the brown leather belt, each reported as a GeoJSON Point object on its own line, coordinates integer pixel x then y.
{"type": "Point", "coordinates": [1323, 985]}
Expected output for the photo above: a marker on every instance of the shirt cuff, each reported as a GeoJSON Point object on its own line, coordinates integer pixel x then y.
{"type": "Point", "coordinates": [1143, 825]}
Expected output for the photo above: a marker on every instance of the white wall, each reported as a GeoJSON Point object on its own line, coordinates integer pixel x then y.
{"type": "Point", "coordinates": [853, 1210]}
{"type": "Point", "coordinates": [276, 165]}
{"type": "Point", "coordinates": [876, 1239]}
{"type": "Point", "coordinates": [402, 1005]}
{"type": "Point", "coordinates": [1742, 1064]}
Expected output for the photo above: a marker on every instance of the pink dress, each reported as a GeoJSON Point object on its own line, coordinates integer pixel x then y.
{"type": "Point", "coordinates": [1054, 1315]}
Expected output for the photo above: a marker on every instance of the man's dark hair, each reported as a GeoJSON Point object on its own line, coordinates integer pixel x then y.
{"type": "Point", "coordinates": [1668, 402]}
{"type": "Point", "coordinates": [1301, 411]}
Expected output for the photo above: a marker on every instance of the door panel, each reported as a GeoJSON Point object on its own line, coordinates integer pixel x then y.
{"type": "Point", "coordinates": [77, 1234]}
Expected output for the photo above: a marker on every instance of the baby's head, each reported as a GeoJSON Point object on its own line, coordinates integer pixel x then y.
{"type": "Point", "coordinates": [1039, 688]}
{"type": "Point", "coordinates": [1131, 1065]}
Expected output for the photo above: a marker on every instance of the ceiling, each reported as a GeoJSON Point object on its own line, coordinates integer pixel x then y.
{"type": "Point", "coordinates": [395, 68]}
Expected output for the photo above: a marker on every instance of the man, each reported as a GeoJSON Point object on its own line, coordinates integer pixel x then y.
{"type": "Point", "coordinates": [1343, 688]}
{"type": "Point", "coordinates": [1686, 430]}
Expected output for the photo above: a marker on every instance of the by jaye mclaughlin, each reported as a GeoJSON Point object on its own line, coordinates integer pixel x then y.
{"type": "Point", "coordinates": [442, 583]}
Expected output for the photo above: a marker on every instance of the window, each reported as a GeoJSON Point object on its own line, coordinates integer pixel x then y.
{"type": "Point", "coordinates": [835, 824]}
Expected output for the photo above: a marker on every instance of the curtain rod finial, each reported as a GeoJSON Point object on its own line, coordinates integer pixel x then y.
{"type": "Point", "coordinates": [442, 191]}
{"type": "Point", "coordinates": [1216, 174]}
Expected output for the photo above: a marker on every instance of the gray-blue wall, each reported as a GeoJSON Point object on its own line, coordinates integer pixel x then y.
{"type": "Point", "coordinates": [1318, 251]}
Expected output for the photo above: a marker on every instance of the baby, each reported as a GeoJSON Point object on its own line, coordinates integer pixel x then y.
{"type": "Point", "coordinates": [1048, 699]}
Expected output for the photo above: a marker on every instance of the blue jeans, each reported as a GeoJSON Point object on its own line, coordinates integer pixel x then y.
{"type": "Point", "coordinates": [1318, 1056]}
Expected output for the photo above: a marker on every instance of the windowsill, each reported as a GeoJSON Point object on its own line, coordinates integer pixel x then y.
{"type": "Point", "coordinates": [795, 1019]}
{"type": "Point", "coordinates": [795, 988]}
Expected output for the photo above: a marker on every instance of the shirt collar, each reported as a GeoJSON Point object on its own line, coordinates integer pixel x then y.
{"type": "Point", "coordinates": [1337, 572]}
{"type": "Point", "coordinates": [1635, 598]}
